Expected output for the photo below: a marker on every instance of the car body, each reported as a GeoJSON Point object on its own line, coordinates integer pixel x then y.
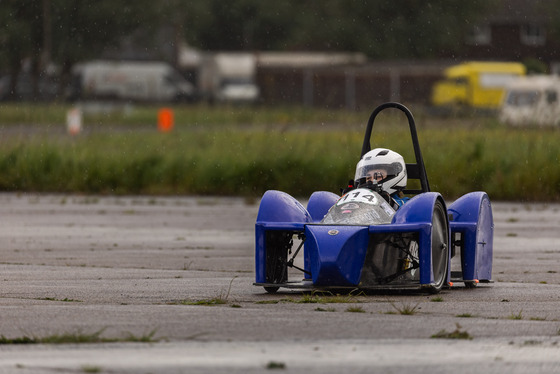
{"type": "Point", "coordinates": [358, 241]}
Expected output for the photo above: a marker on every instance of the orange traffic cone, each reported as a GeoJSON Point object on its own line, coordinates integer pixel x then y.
{"type": "Point", "coordinates": [165, 120]}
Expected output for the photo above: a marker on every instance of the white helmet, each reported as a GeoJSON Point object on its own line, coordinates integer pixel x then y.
{"type": "Point", "coordinates": [384, 166]}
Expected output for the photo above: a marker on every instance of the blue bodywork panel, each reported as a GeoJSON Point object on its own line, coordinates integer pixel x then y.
{"type": "Point", "coordinates": [319, 204]}
{"type": "Point", "coordinates": [336, 259]}
{"type": "Point", "coordinates": [474, 223]}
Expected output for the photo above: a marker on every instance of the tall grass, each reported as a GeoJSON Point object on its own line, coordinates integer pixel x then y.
{"type": "Point", "coordinates": [509, 164]}
{"type": "Point", "coordinates": [247, 157]}
{"type": "Point", "coordinates": [200, 162]}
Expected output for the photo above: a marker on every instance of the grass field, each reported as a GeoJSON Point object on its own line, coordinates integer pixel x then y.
{"type": "Point", "coordinates": [247, 150]}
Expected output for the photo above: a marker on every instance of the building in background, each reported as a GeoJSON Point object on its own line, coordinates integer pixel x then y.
{"type": "Point", "coordinates": [516, 30]}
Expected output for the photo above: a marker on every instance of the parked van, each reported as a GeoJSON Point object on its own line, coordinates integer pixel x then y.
{"type": "Point", "coordinates": [477, 85]}
{"type": "Point", "coordinates": [130, 80]}
{"type": "Point", "coordinates": [532, 100]}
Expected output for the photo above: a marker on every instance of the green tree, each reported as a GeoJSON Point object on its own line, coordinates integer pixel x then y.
{"type": "Point", "coordinates": [21, 37]}
{"type": "Point", "coordinates": [82, 30]}
{"type": "Point", "coordinates": [395, 29]}
{"type": "Point", "coordinates": [72, 30]}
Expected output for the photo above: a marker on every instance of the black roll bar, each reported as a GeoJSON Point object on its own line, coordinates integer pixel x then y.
{"type": "Point", "coordinates": [414, 171]}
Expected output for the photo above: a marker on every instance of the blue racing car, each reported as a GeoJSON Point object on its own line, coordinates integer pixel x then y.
{"type": "Point", "coordinates": [375, 237]}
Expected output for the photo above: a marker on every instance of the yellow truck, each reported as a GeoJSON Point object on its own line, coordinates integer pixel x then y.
{"type": "Point", "coordinates": [477, 85]}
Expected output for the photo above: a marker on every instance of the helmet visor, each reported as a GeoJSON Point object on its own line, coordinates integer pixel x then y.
{"type": "Point", "coordinates": [379, 172]}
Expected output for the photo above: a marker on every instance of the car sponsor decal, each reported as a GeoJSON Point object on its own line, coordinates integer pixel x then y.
{"type": "Point", "coordinates": [390, 211]}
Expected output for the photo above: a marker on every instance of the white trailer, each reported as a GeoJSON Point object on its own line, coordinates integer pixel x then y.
{"type": "Point", "coordinates": [228, 77]}
{"type": "Point", "coordinates": [131, 81]}
{"type": "Point", "coordinates": [532, 100]}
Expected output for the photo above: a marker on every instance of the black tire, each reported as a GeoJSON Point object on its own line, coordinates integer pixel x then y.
{"type": "Point", "coordinates": [278, 243]}
{"type": "Point", "coordinates": [271, 289]}
{"type": "Point", "coordinates": [470, 284]}
{"type": "Point", "coordinates": [440, 246]}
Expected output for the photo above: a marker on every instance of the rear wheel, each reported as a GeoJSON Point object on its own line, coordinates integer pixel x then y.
{"type": "Point", "coordinates": [440, 246]}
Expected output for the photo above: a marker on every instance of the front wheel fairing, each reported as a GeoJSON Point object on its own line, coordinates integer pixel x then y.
{"type": "Point", "coordinates": [359, 207]}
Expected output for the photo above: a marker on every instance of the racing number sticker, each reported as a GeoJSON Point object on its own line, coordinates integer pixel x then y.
{"type": "Point", "coordinates": [358, 196]}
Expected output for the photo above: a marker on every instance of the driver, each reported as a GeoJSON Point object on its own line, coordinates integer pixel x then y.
{"type": "Point", "coordinates": [387, 169]}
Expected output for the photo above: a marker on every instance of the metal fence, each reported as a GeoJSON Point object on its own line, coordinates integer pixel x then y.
{"type": "Point", "coordinates": [349, 87]}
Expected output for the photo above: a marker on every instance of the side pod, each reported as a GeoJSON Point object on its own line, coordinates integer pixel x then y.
{"type": "Point", "coordinates": [472, 230]}
{"type": "Point", "coordinates": [280, 216]}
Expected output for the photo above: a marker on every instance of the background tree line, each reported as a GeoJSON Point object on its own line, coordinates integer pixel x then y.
{"type": "Point", "coordinates": [64, 32]}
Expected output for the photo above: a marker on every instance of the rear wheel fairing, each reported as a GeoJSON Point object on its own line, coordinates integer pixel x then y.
{"type": "Point", "coordinates": [473, 222]}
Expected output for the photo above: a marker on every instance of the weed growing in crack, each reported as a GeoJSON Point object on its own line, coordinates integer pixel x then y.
{"type": "Point", "coordinates": [78, 338]}
{"type": "Point", "coordinates": [319, 309]}
{"type": "Point", "coordinates": [355, 309]}
{"type": "Point", "coordinates": [322, 298]}
{"type": "Point", "coordinates": [91, 369]}
{"type": "Point", "coordinates": [275, 365]}
{"type": "Point", "coordinates": [405, 309]}
{"type": "Point", "coordinates": [517, 316]}
{"type": "Point", "coordinates": [457, 334]}
{"type": "Point", "coordinates": [67, 300]}
{"type": "Point", "coordinates": [222, 298]}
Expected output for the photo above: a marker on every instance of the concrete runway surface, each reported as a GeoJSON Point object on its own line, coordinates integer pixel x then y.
{"type": "Point", "coordinates": [133, 267]}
